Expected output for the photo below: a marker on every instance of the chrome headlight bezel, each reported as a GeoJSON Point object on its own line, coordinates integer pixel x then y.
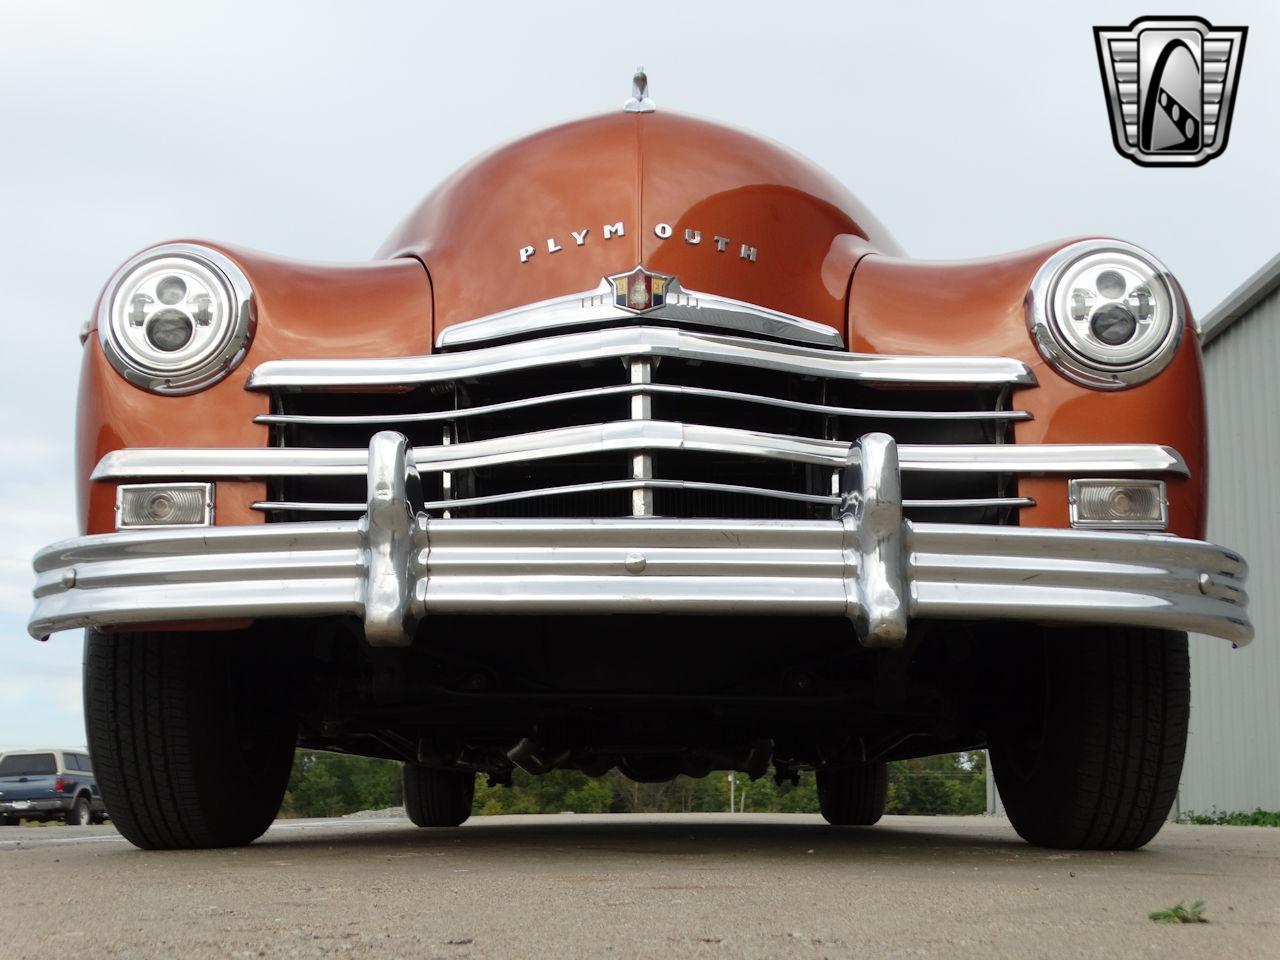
{"type": "Point", "coordinates": [214, 349]}
{"type": "Point", "coordinates": [1066, 337]}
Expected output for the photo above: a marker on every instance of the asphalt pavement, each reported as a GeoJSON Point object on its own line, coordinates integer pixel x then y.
{"type": "Point", "coordinates": [694, 885]}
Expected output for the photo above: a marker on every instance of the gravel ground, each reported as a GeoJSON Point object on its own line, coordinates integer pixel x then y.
{"type": "Point", "coordinates": [638, 886]}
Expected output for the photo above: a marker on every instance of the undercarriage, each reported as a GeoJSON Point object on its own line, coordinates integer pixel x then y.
{"type": "Point", "coordinates": [653, 696]}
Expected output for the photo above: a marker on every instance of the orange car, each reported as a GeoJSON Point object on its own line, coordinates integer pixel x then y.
{"type": "Point", "coordinates": [641, 445]}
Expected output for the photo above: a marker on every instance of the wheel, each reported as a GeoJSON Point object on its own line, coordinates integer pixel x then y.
{"type": "Point", "coordinates": [1087, 749]}
{"type": "Point", "coordinates": [853, 796]}
{"type": "Point", "coordinates": [9, 820]}
{"type": "Point", "coordinates": [437, 798]}
{"type": "Point", "coordinates": [192, 734]}
{"type": "Point", "coordinates": [78, 815]}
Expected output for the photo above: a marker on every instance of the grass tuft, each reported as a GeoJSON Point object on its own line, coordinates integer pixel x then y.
{"type": "Point", "coordinates": [1238, 818]}
{"type": "Point", "coordinates": [1181, 914]}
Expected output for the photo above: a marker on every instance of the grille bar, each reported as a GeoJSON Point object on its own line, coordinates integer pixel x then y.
{"type": "Point", "coordinates": [630, 342]}
{"type": "Point", "coordinates": [593, 307]}
{"type": "Point", "coordinates": [641, 371]}
{"type": "Point", "coordinates": [627, 436]}
{"type": "Point", "coordinates": [630, 390]}
{"type": "Point", "coordinates": [814, 498]}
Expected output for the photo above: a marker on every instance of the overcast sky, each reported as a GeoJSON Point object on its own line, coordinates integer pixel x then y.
{"type": "Point", "coordinates": [309, 129]}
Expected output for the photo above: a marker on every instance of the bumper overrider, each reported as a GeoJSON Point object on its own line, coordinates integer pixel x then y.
{"type": "Point", "coordinates": [395, 567]}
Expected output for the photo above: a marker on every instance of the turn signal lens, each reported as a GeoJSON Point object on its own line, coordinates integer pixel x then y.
{"type": "Point", "coordinates": [1121, 504]}
{"type": "Point", "coordinates": [164, 505]}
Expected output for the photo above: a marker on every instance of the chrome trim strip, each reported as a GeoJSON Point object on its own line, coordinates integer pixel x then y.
{"type": "Point", "coordinates": [597, 306]}
{"type": "Point", "coordinates": [630, 389]}
{"type": "Point", "coordinates": [1044, 458]}
{"type": "Point", "coordinates": [207, 463]}
{"type": "Point", "coordinates": [629, 342]}
{"type": "Point", "coordinates": [307, 506]}
{"type": "Point", "coordinates": [586, 566]}
{"type": "Point", "coordinates": [243, 463]}
{"type": "Point", "coordinates": [963, 502]}
{"type": "Point", "coordinates": [600, 486]}
{"type": "Point", "coordinates": [605, 485]}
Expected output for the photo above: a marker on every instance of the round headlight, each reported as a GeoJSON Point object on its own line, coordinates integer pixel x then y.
{"type": "Point", "coordinates": [1105, 313]}
{"type": "Point", "coordinates": [176, 318]}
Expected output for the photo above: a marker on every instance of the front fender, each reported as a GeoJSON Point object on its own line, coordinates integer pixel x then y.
{"type": "Point", "coordinates": [900, 306]}
{"type": "Point", "coordinates": [304, 310]}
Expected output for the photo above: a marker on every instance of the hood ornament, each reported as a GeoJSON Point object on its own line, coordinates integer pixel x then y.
{"type": "Point", "coordinates": [639, 102]}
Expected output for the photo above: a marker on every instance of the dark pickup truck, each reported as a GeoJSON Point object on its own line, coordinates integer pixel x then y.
{"type": "Point", "coordinates": [49, 785]}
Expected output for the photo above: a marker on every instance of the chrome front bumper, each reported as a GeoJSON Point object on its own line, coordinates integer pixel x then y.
{"type": "Point", "coordinates": [394, 568]}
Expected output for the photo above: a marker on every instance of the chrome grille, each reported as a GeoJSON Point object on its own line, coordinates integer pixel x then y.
{"type": "Point", "coordinates": [644, 422]}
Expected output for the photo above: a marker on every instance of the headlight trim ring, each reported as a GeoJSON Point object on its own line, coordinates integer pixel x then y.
{"type": "Point", "coordinates": [200, 364]}
{"type": "Point", "coordinates": [1070, 351]}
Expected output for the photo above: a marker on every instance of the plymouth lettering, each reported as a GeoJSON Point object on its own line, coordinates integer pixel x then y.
{"type": "Point", "coordinates": [662, 230]}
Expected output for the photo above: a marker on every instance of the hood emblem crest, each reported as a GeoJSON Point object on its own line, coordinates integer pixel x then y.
{"type": "Point", "coordinates": [640, 291]}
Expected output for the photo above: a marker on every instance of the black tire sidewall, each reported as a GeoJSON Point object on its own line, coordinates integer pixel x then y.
{"type": "Point", "coordinates": [435, 797]}
{"type": "Point", "coordinates": [853, 796]}
{"type": "Point", "coordinates": [1112, 734]}
{"type": "Point", "coordinates": [192, 734]}
{"type": "Point", "coordinates": [79, 815]}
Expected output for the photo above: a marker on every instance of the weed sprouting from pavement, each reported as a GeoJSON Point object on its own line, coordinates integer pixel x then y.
{"type": "Point", "coordinates": [1258, 818]}
{"type": "Point", "coordinates": [1181, 914]}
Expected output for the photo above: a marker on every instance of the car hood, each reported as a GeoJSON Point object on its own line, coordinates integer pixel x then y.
{"type": "Point", "coordinates": [726, 212]}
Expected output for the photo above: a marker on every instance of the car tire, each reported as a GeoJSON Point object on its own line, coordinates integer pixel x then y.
{"type": "Point", "coordinates": [78, 815]}
{"type": "Point", "coordinates": [192, 734]}
{"type": "Point", "coordinates": [435, 797]}
{"type": "Point", "coordinates": [1087, 749]}
{"type": "Point", "coordinates": [853, 796]}
{"type": "Point", "coordinates": [9, 820]}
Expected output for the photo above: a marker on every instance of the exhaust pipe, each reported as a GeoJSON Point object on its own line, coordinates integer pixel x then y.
{"type": "Point", "coordinates": [532, 757]}
{"type": "Point", "coordinates": [756, 764]}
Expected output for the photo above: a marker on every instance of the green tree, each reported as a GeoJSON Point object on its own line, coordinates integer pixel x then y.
{"type": "Point", "coordinates": [953, 783]}
{"type": "Point", "coordinates": [333, 784]}
{"type": "Point", "coordinates": [330, 784]}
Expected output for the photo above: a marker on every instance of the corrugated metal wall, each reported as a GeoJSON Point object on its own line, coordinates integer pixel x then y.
{"type": "Point", "coordinates": [1233, 757]}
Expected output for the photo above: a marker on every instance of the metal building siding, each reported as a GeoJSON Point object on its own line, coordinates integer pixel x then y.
{"type": "Point", "coordinates": [1233, 755]}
